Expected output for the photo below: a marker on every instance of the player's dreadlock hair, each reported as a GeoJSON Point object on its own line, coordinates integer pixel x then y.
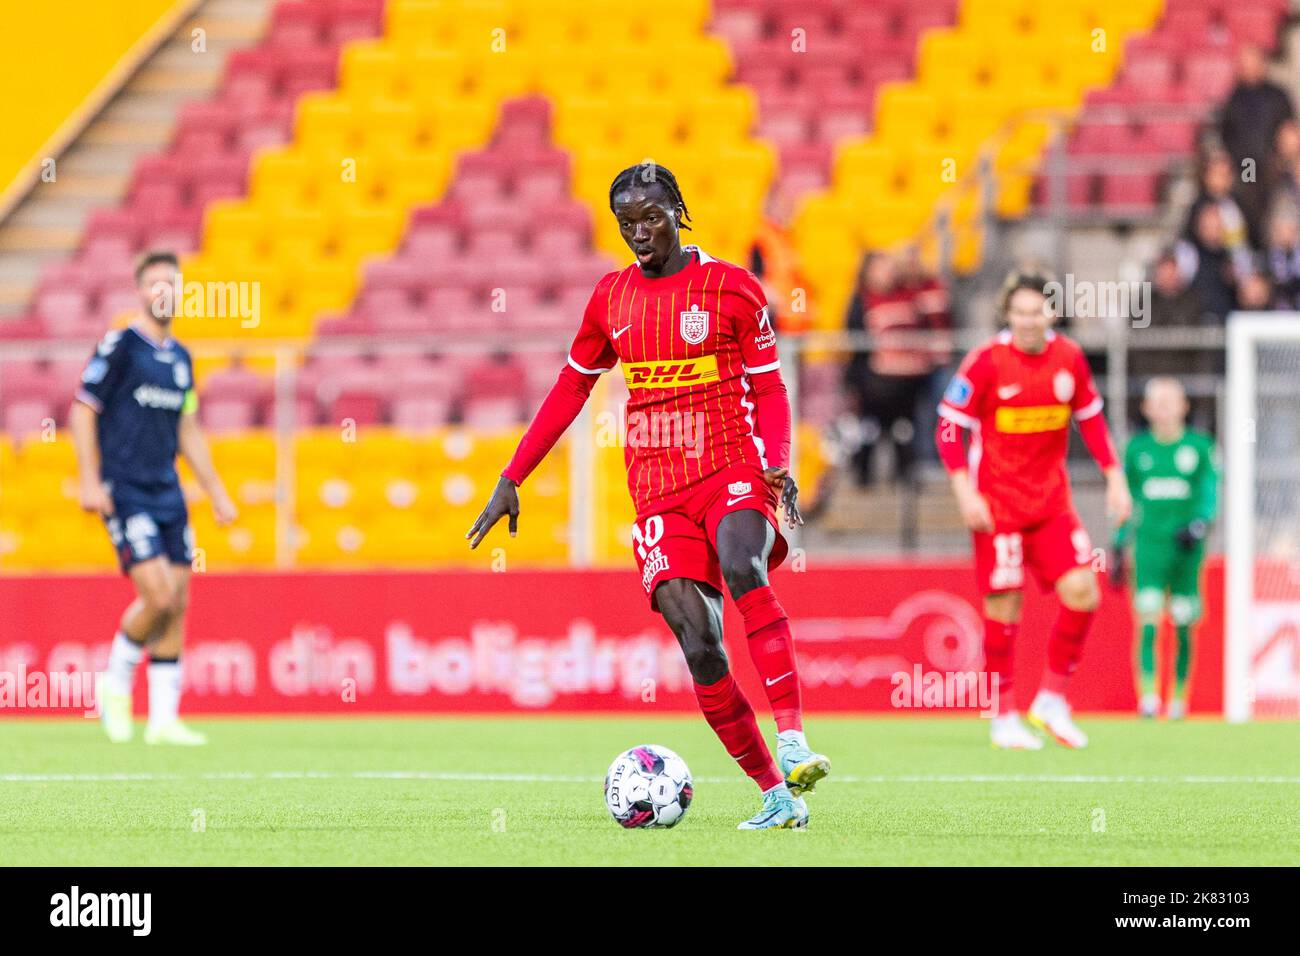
{"type": "Point", "coordinates": [644, 173]}
{"type": "Point", "coordinates": [1036, 280]}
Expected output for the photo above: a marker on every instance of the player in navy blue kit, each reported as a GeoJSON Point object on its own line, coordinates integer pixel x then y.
{"type": "Point", "coordinates": [134, 411]}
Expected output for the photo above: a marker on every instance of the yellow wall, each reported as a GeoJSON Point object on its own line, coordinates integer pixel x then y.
{"type": "Point", "coordinates": [54, 54]}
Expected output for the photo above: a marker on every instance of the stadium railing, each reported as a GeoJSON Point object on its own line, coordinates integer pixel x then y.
{"type": "Point", "coordinates": [586, 506]}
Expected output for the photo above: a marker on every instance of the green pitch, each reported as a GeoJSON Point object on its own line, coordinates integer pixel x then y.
{"type": "Point", "coordinates": [489, 791]}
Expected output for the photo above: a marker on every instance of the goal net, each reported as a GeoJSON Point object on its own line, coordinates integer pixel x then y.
{"type": "Point", "coordinates": [1261, 431]}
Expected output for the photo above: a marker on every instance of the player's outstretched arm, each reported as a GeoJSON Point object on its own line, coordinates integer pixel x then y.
{"type": "Point", "coordinates": [194, 448]}
{"type": "Point", "coordinates": [560, 407]}
{"type": "Point", "coordinates": [82, 421]}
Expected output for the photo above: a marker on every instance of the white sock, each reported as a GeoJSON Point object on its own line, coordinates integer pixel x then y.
{"type": "Point", "coordinates": [164, 691]}
{"type": "Point", "coordinates": [123, 657]}
{"type": "Point", "coordinates": [793, 737]}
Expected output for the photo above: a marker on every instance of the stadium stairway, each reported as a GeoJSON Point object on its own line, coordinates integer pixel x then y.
{"type": "Point", "coordinates": [49, 226]}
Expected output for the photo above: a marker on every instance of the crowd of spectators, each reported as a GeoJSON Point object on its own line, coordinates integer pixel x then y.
{"type": "Point", "coordinates": [1239, 246]}
{"type": "Point", "coordinates": [893, 387]}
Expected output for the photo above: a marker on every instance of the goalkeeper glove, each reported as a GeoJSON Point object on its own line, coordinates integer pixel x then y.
{"type": "Point", "coordinates": [1190, 536]}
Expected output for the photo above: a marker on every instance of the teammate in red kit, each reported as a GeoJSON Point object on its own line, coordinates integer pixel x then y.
{"type": "Point", "coordinates": [707, 453]}
{"type": "Point", "coordinates": [1015, 396]}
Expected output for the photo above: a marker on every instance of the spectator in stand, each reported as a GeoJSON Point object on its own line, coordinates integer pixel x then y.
{"type": "Point", "coordinates": [934, 311]}
{"type": "Point", "coordinates": [1251, 117]}
{"type": "Point", "coordinates": [1283, 256]}
{"type": "Point", "coordinates": [891, 303]}
{"type": "Point", "coordinates": [1207, 265]}
{"type": "Point", "coordinates": [1255, 293]}
{"type": "Point", "coordinates": [1279, 174]}
{"type": "Point", "coordinates": [1174, 304]}
{"type": "Point", "coordinates": [1216, 190]}
{"type": "Point", "coordinates": [1173, 301]}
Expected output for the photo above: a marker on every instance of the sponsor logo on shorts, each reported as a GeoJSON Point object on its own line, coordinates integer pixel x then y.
{"type": "Point", "coordinates": [739, 488]}
{"type": "Point", "coordinates": [655, 563]}
{"type": "Point", "coordinates": [140, 529]}
{"type": "Point", "coordinates": [1031, 419]}
{"type": "Point", "coordinates": [684, 374]}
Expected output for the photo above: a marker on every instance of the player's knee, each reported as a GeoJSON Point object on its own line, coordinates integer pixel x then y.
{"type": "Point", "coordinates": [1002, 606]}
{"type": "Point", "coordinates": [743, 573]}
{"type": "Point", "coordinates": [1079, 591]}
{"type": "Point", "coordinates": [180, 599]}
{"type": "Point", "coordinates": [157, 602]}
{"type": "Point", "coordinates": [1184, 609]}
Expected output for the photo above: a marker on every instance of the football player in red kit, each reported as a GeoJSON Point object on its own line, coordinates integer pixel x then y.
{"type": "Point", "coordinates": [695, 339]}
{"type": "Point", "coordinates": [1015, 396]}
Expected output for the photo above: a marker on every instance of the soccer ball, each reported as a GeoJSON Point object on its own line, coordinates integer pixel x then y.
{"type": "Point", "coordinates": [648, 786]}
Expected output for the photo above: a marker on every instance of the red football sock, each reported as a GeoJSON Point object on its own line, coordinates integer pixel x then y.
{"type": "Point", "coordinates": [999, 641]}
{"type": "Point", "coordinates": [1065, 647]}
{"type": "Point", "coordinates": [732, 719]}
{"type": "Point", "coordinates": [771, 647]}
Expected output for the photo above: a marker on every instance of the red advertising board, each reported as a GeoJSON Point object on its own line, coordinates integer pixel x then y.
{"type": "Point", "coordinates": [524, 641]}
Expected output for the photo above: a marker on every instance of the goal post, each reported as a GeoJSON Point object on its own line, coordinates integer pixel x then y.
{"type": "Point", "coordinates": [1261, 438]}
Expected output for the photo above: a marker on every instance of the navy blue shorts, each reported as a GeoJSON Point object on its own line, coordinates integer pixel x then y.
{"type": "Point", "coordinates": [140, 534]}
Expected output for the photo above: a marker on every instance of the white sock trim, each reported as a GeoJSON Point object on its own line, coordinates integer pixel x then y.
{"type": "Point", "coordinates": [123, 657]}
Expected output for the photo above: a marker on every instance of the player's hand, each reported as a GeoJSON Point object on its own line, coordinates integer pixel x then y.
{"type": "Point", "coordinates": [504, 501]}
{"type": "Point", "coordinates": [779, 478]}
{"type": "Point", "coordinates": [1192, 535]}
{"type": "Point", "coordinates": [1119, 503]}
{"type": "Point", "coordinates": [95, 499]}
{"type": "Point", "coordinates": [975, 513]}
{"type": "Point", "coordinates": [224, 510]}
{"type": "Point", "coordinates": [1117, 567]}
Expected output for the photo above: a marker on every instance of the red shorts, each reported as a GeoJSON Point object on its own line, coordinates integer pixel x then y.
{"type": "Point", "coordinates": [680, 539]}
{"type": "Point", "coordinates": [1049, 550]}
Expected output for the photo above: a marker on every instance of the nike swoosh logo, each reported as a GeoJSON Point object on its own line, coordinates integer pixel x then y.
{"type": "Point", "coordinates": [622, 330]}
{"type": "Point", "coordinates": [732, 501]}
{"type": "Point", "coordinates": [772, 680]}
{"type": "Point", "coordinates": [1010, 391]}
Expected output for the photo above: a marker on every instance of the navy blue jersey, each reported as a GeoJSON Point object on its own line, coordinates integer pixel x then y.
{"type": "Point", "coordinates": [140, 390]}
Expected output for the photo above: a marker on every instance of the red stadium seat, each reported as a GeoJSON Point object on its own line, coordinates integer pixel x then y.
{"type": "Point", "coordinates": [1208, 74]}
{"type": "Point", "coordinates": [26, 417]}
{"type": "Point", "coordinates": [492, 413]}
{"type": "Point", "coordinates": [227, 414]}
{"type": "Point", "coordinates": [1138, 191]}
{"type": "Point", "coordinates": [416, 413]}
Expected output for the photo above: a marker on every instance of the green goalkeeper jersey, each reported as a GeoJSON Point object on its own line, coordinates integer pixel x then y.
{"type": "Point", "coordinates": [1172, 483]}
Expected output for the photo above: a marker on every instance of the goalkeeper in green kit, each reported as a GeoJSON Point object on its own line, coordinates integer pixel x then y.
{"type": "Point", "coordinates": [1174, 482]}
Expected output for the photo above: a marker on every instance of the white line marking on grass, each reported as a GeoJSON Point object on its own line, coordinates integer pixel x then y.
{"type": "Point", "coordinates": [460, 777]}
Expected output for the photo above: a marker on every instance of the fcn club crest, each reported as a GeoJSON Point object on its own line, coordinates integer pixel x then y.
{"type": "Point", "coordinates": [695, 325]}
